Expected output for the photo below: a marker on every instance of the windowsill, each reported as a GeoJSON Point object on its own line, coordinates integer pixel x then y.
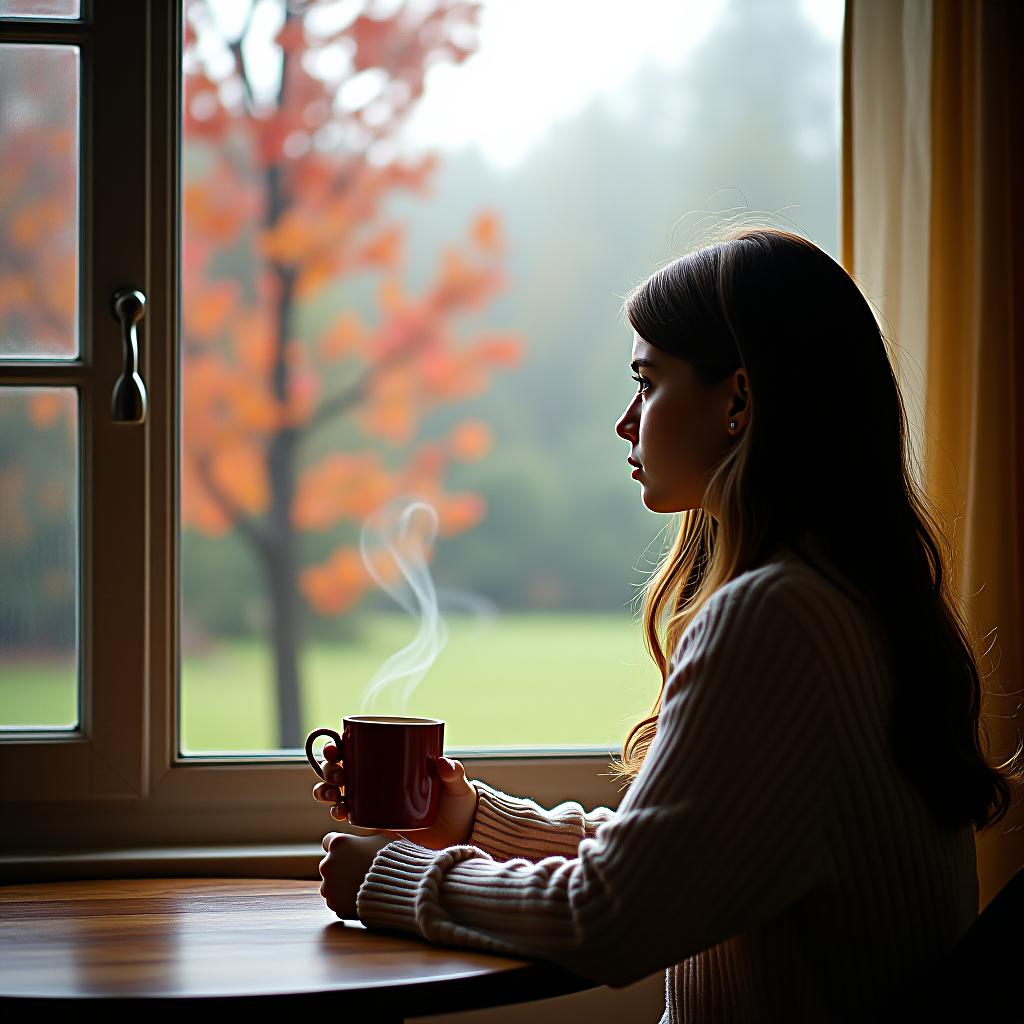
{"type": "Point", "coordinates": [216, 811]}
{"type": "Point", "coordinates": [288, 860]}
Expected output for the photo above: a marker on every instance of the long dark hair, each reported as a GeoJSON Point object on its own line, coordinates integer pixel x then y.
{"type": "Point", "coordinates": [824, 455]}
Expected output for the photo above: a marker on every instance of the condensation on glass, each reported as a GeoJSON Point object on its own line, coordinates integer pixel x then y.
{"type": "Point", "coordinates": [40, 9]}
{"type": "Point", "coordinates": [39, 201]}
{"type": "Point", "coordinates": [39, 558]}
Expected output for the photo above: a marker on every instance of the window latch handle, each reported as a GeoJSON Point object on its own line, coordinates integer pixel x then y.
{"type": "Point", "coordinates": [129, 401]}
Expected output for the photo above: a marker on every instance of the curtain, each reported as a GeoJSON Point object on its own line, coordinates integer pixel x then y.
{"type": "Point", "coordinates": [933, 232]}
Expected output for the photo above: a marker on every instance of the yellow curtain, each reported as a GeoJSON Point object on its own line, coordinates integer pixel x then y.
{"type": "Point", "coordinates": [933, 231]}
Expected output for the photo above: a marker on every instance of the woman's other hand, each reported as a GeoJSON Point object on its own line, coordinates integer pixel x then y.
{"type": "Point", "coordinates": [343, 869]}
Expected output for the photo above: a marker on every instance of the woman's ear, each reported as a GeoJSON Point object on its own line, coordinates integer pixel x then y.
{"type": "Point", "coordinates": [739, 397]}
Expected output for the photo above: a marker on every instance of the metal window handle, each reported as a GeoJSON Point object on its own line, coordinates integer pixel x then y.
{"type": "Point", "coordinates": [129, 401]}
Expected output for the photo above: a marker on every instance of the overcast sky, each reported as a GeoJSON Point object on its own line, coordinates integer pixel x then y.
{"type": "Point", "coordinates": [538, 62]}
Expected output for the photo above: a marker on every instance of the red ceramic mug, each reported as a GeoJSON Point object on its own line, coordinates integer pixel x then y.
{"type": "Point", "coordinates": [391, 777]}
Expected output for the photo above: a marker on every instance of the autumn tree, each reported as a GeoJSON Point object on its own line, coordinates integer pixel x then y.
{"type": "Point", "coordinates": [299, 182]}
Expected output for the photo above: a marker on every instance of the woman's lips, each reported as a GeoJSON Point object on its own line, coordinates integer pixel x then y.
{"type": "Point", "coordinates": [636, 472]}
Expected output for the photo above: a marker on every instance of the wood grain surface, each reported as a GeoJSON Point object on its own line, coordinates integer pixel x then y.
{"type": "Point", "coordinates": [240, 940]}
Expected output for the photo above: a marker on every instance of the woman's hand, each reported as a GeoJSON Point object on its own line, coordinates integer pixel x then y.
{"type": "Point", "coordinates": [344, 868]}
{"type": "Point", "coordinates": [455, 818]}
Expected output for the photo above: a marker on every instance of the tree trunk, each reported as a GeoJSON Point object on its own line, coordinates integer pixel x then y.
{"type": "Point", "coordinates": [284, 606]}
{"type": "Point", "coordinates": [282, 570]}
{"type": "Point", "coordinates": [281, 564]}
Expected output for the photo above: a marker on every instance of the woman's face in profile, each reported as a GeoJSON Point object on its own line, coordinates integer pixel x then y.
{"type": "Point", "coordinates": [677, 428]}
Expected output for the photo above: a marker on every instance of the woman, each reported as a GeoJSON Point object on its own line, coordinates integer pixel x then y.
{"type": "Point", "coordinates": [797, 842]}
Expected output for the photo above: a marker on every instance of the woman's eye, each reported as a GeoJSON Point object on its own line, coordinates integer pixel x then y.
{"type": "Point", "coordinates": [646, 384]}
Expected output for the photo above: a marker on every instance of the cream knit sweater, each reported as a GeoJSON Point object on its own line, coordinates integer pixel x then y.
{"type": "Point", "coordinates": [769, 857]}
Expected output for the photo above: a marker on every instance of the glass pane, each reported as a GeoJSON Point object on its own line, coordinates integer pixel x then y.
{"type": "Point", "coordinates": [40, 8]}
{"type": "Point", "coordinates": [39, 108]}
{"type": "Point", "coordinates": [39, 553]}
{"type": "Point", "coordinates": [402, 490]}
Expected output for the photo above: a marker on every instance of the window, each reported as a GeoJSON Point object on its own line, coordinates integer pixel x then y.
{"type": "Point", "coordinates": [398, 293]}
{"type": "Point", "coordinates": [74, 534]}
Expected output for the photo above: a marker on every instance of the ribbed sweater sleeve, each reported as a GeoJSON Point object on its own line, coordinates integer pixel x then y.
{"type": "Point", "coordinates": [511, 826]}
{"type": "Point", "coordinates": [720, 831]}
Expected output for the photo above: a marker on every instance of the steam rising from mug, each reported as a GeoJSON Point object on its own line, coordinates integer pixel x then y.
{"type": "Point", "coordinates": [406, 528]}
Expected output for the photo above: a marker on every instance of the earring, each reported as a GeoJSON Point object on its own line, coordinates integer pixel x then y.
{"type": "Point", "coordinates": [732, 424]}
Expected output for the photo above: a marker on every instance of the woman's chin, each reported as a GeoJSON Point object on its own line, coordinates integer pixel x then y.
{"type": "Point", "coordinates": [650, 498]}
{"type": "Point", "coordinates": [652, 501]}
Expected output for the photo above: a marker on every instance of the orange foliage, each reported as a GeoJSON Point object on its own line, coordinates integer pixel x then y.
{"type": "Point", "coordinates": [306, 232]}
{"type": "Point", "coordinates": [199, 509]}
{"type": "Point", "coordinates": [284, 242]}
{"type": "Point", "coordinates": [254, 341]}
{"type": "Point", "coordinates": [303, 392]}
{"type": "Point", "coordinates": [460, 512]}
{"type": "Point", "coordinates": [270, 133]}
{"type": "Point", "coordinates": [384, 251]}
{"type": "Point", "coordinates": [460, 376]}
{"type": "Point", "coordinates": [414, 176]}
{"type": "Point", "coordinates": [500, 348]}
{"type": "Point", "coordinates": [378, 42]}
{"type": "Point", "coordinates": [389, 421]}
{"type": "Point", "coordinates": [203, 113]}
{"type": "Point", "coordinates": [339, 582]}
{"type": "Point", "coordinates": [291, 35]}
{"type": "Point", "coordinates": [340, 487]}
{"type": "Point", "coordinates": [14, 521]}
{"type": "Point", "coordinates": [38, 225]}
{"type": "Point", "coordinates": [35, 221]}
{"type": "Point", "coordinates": [240, 473]}
{"type": "Point", "coordinates": [306, 217]}
{"type": "Point", "coordinates": [392, 413]}
{"type": "Point", "coordinates": [333, 587]}
{"type": "Point", "coordinates": [486, 232]}
{"type": "Point", "coordinates": [62, 289]}
{"type": "Point", "coordinates": [214, 209]}
{"type": "Point", "coordinates": [428, 462]}
{"type": "Point", "coordinates": [255, 410]}
{"type": "Point", "coordinates": [390, 295]}
{"type": "Point", "coordinates": [344, 335]}
{"type": "Point", "coordinates": [60, 142]}
{"type": "Point", "coordinates": [45, 407]}
{"type": "Point", "coordinates": [205, 311]}
{"type": "Point", "coordinates": [15, 291]}
{"type": "Point", "coordinates": [471, 440]}
{"type": "Point", "coordinates": [313, 178]}
{"type": "Point", "coordinates": [459, 282]}
{"type": "Point", "coordinates": [317, 272]}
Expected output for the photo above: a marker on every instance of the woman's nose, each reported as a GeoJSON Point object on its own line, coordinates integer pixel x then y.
{"type": "Point", "coordinates": [625, 427]}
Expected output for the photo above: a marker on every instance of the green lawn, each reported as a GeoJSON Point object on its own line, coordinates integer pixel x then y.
{"type": "Point", "coordinates": [530, 679]}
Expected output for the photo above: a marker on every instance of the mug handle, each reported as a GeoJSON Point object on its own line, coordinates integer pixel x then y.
{"type": "Point", "coordinates": [311, 757]}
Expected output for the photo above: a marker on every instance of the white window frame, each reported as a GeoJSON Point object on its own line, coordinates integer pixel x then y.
{"type": "Point", "coordinates": [118, 784]}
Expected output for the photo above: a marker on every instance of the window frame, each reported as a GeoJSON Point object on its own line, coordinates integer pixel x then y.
{"type": "Point", "coordinates": [119, 782]}
{"type": "Point", "coordinates": [103, 756]}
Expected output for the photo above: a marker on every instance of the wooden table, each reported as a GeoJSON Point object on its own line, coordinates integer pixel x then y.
{"type": "Point", "coordinates": [236, 941]}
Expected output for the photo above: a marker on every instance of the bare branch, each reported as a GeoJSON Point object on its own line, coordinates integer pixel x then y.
{"type": "Point", "coordinates": [335, 405]}
{"type": "Point", "coordinates": [257, 536]}
{"type": "Point", "coordinates": [236, 51]}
